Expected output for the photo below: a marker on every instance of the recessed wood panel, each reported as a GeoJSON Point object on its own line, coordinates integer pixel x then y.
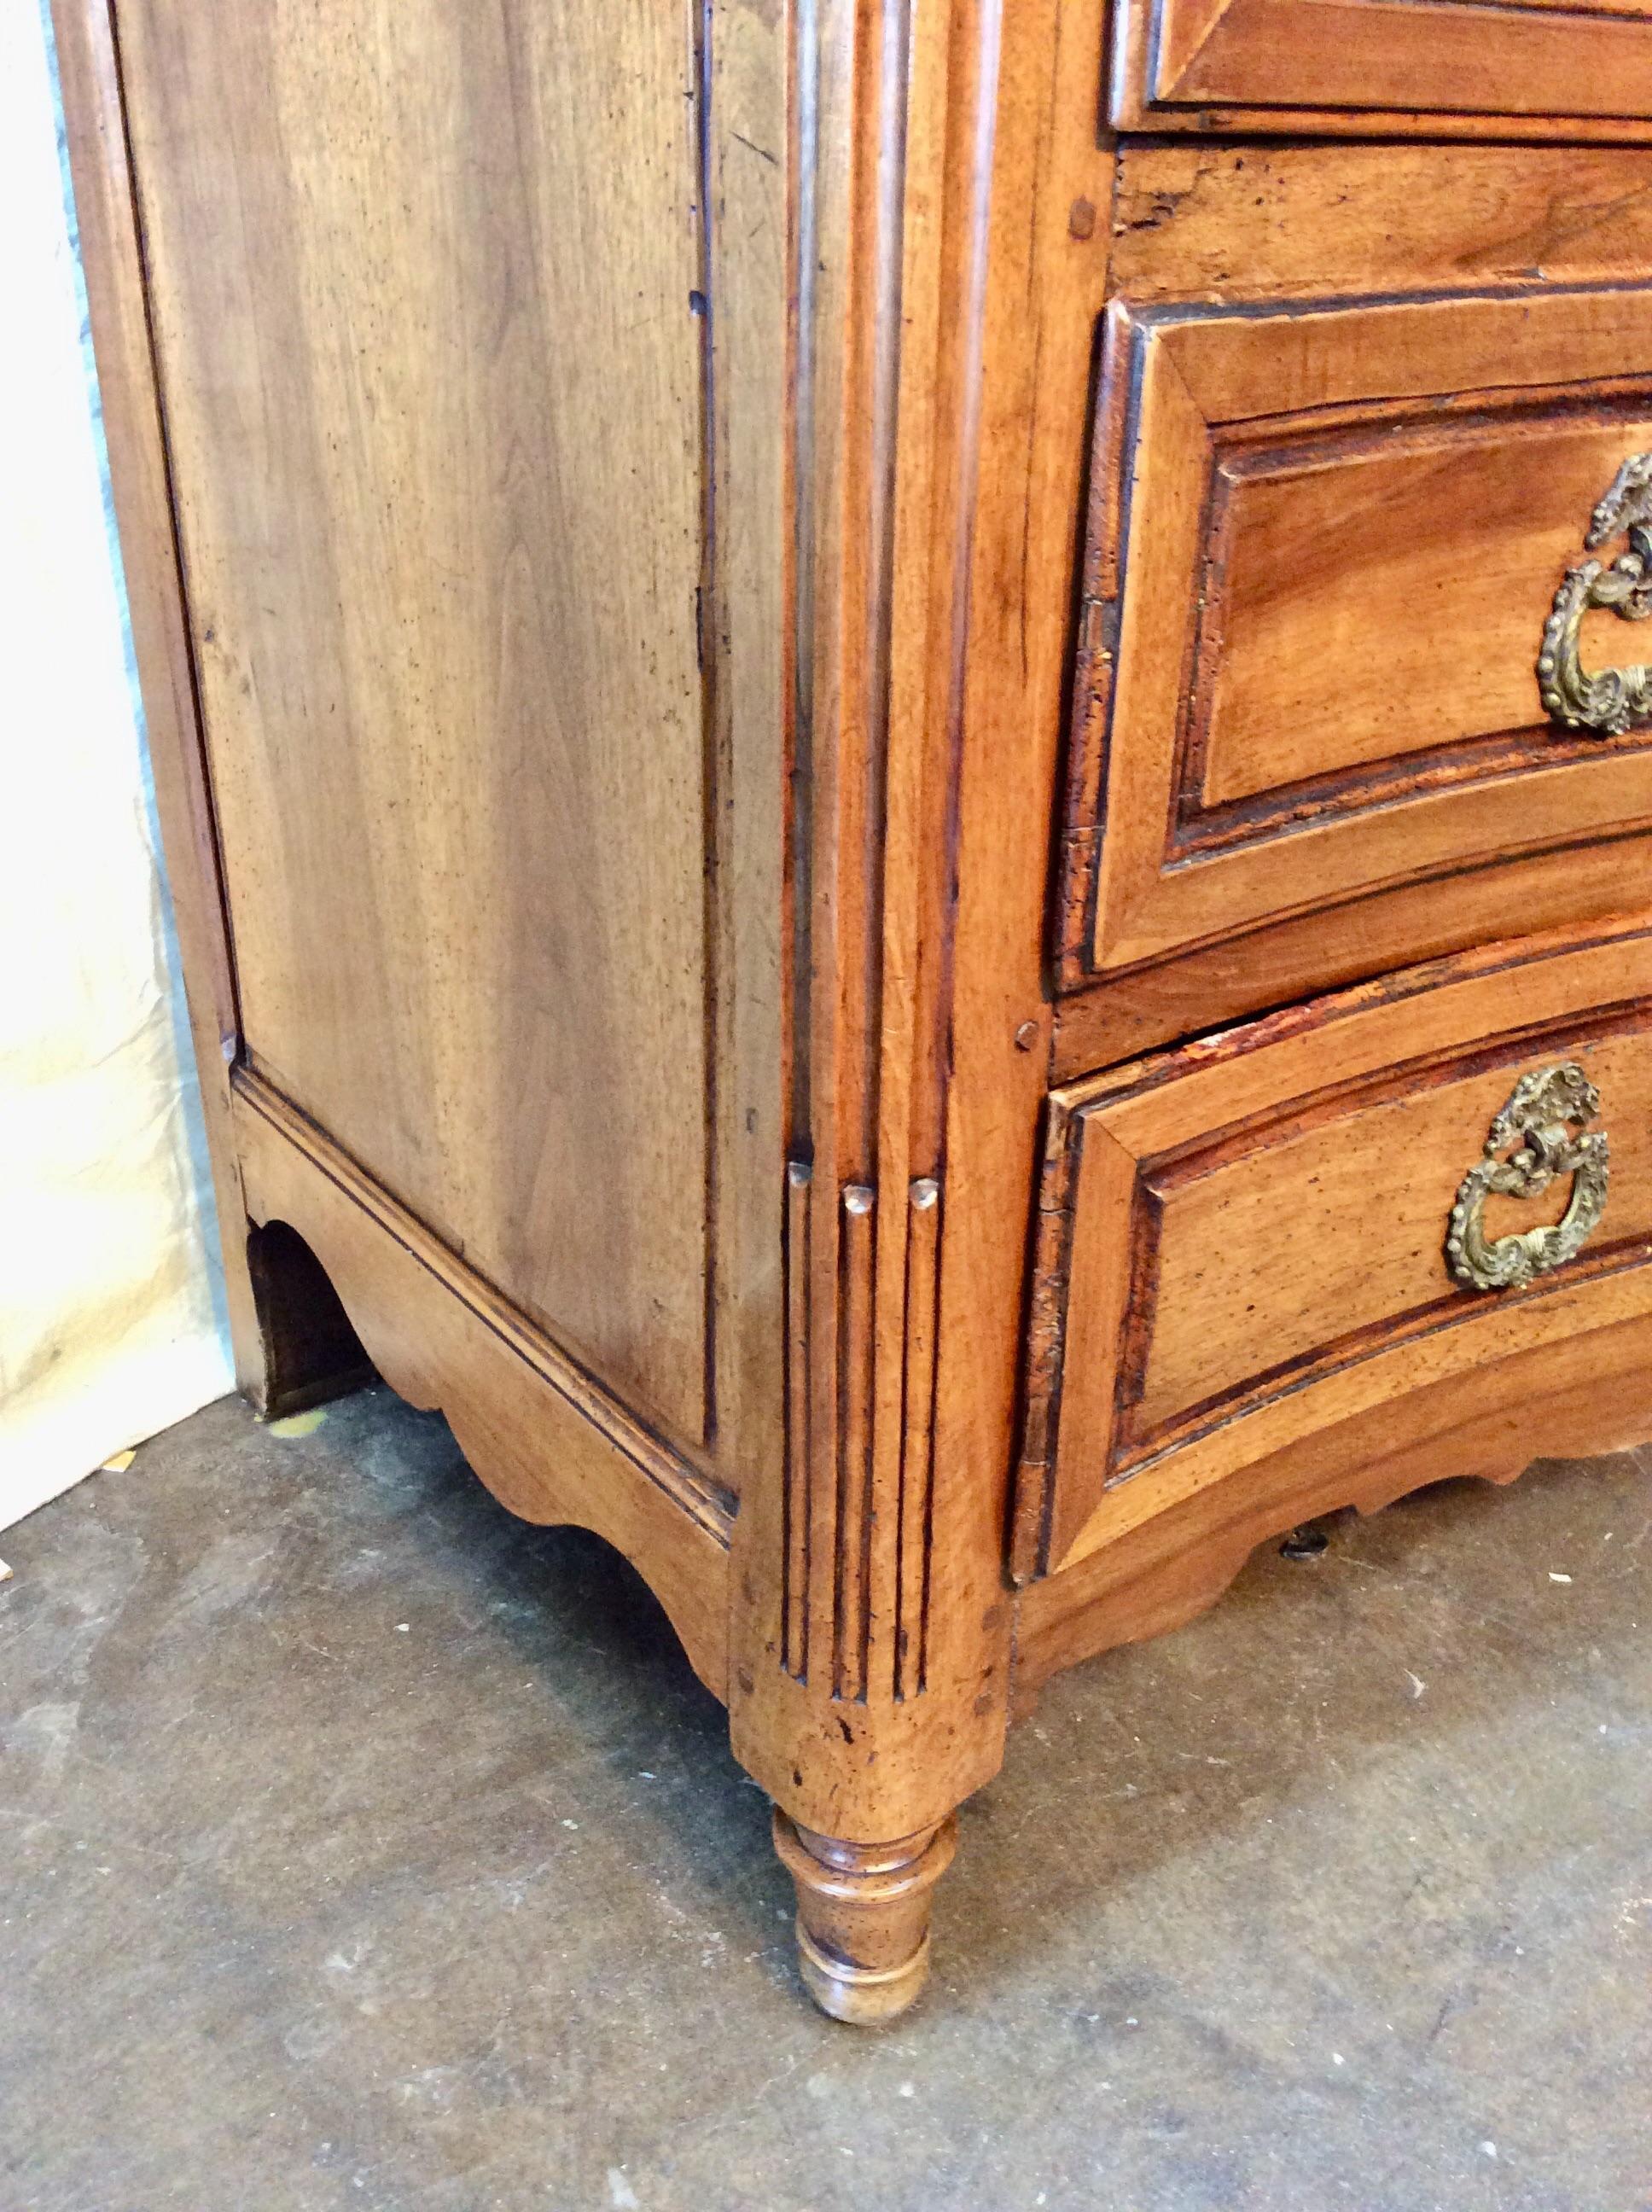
{"type": "Point", "coordinates": [1372, 597]}
{"type": "Point", "coordinates": [425, 286]}
{"type": "Point", "coordinates": [1417, 63]}
{"type": "Point", "coordinates": [1323, 543]}
{"type": "Point", "coordinates": [1258, 1224]}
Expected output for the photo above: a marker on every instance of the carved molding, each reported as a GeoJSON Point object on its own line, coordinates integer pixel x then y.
{"type": "Point", "coordinates": [858, 1504]}
{"type": "Point", "coordinates": [1104, 1440]}
{"type": "Point", "coordinates": [1465, 71]}
{"type": "Point", "coordinates": [869, 1649]}
{"type": "Point", "coordinates": [1184, 394]}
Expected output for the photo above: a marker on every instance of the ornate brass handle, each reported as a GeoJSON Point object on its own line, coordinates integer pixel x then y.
{"type": "Point", "coordinates": [1607, 704]}
{"type": "Point", "coordinates": [1545, 1116]}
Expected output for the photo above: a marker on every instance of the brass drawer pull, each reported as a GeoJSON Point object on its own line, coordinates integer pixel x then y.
{"type": "Point", "coordinates": [1610, 703]}
{"type": "Point", "coordinates": [1545, 1117]}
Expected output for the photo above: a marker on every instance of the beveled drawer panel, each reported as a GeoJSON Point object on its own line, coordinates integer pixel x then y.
{"type": "Point", "coordinates": [1252, 1237]}
{"type": "Point", "coordinates": [1322, 546]}
{"type": "Point", "coordinates": [1548, 66]}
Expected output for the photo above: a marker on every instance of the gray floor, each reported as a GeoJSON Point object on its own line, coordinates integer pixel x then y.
{"type": "Point", "coordinates": [367, 1849]}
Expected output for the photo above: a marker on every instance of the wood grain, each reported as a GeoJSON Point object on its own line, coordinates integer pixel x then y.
{"type": "Point", "coordinates": [1197, 219]}
{"type": "Point", "coordinates": [443, 595]}
{"type": "Point", "coordinates": [1221, 1330]}
{"type": "Point", "coordinates": [1421, 537]}
{"type": "Point", "coordinates": [261, 400]}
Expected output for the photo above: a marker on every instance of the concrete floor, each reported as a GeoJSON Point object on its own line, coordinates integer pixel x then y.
{"type": "Point", "coordinates": [365, 1849]}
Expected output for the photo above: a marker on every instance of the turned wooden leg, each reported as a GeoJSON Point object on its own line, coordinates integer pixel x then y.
{"type": "Point", "coordinates": [863, 1915]}
{"type": "Point", "coordinates": [870, 1622]}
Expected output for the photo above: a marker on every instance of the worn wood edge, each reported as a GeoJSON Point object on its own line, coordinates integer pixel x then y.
{"type": "Point", "coordinates": [1040, 1394]}
{"type": "Point", "coordinates": [1416, 125]}
{"type": "Point", "coordinates": [542, 1435]}
{"type": "Point", "coordinates": [1264, 976]}
{"type": "Point", "coordinates": [1372, 1005]}
{"type": "Point", "coordinates": [1341, 217]}
{"type": "Point", "coordinates": [1348, 911]}
{"type": "Point", "coordinates": [1491, 1423]}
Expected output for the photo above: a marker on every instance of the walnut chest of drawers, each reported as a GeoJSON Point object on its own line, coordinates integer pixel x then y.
{"type": "Point", "coordinates": [907, 814]}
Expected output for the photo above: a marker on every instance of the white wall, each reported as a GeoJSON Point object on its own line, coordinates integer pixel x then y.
{"type": "Point", "coordinates": [110, 1307]}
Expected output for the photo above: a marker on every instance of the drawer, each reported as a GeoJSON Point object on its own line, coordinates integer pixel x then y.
{"type": "Point", "coordinates": [1547, 67]}
{"type": "Point", "coordinates": [1323, 544]}
{"type": "Point", "coordinates": [1282, 1230]}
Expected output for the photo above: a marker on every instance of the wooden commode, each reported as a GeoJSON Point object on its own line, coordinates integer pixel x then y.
{"type": "Point", "coordinates": [907, 789]}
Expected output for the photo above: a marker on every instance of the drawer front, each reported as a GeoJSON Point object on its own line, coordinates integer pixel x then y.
{"type": "Point", "coordinates": [1300, 1221]}
{"type": "Point", "coordinates": [1323, 545]}
{"type": "Point", "coordinates": [1422, 65]}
